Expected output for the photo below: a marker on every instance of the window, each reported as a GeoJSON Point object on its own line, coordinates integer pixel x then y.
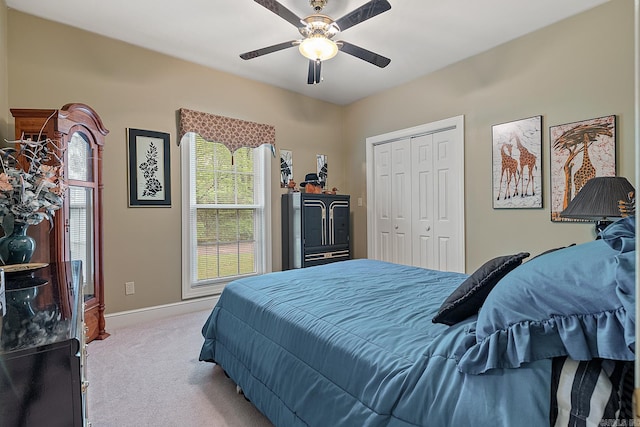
{"type": "Point", "coordinates": [226, 214]}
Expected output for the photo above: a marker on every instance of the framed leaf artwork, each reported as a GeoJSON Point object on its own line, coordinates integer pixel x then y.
{"type": "Point", "coordinates": [149, 168]}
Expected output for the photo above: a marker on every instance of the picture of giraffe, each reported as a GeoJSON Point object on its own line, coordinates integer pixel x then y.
{"type": "Point", "coordinates": [579, 151]}
{"type": "Point", "coordinates": [517, 174]}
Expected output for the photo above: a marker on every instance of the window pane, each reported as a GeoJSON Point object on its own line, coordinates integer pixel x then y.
{"type": "Point", "coordinates": [247, 239]}
{"type": "Point", "coordinates": [79, 155]}
{"type": "Point", "coordinates": [245, 189]}
{"type": "Point", "coordinates": [226, 242]}
{"type": "Point", "coordinates": [246, 226]}
{"type": "Point", "coordinates": [228, 225]}
{"type": "Point", "coordinates": [221, 179]}
{"type": "Point", "coordinates": [225, 188]}
{"type": "Point", "coordinates": [81, 234]}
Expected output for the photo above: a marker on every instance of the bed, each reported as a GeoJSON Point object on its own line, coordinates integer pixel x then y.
{"type": "Point", "coordinates": [547, 340]}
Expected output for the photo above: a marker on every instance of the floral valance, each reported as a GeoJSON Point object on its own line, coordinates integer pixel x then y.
{"type": "Point", "coordinates": [233, 133]}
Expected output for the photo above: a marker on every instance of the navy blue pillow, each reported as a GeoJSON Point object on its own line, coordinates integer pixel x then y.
{"type": "Point", "coordinates": [467, 299]}
{"type": "Point", "coordinates": [565, 303]}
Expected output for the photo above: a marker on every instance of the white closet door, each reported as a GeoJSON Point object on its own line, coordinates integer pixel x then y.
{"type": "Point", "coordinates": [435, 209]}
{"type": "Point", "coordinates": [401, 202]}
{"type": "Point", "coordinates": [393, 201]}
{"type": "Point", "coordinates": [382, 182]}
{"type": "Point", "coordinates": [449, 214]}
{"type": "Point", "coordinates": [415, 185]}
{"type": "Point", "coordinates": [423, 202]}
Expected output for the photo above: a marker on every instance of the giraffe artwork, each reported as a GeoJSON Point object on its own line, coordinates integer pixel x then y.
{"type": "Point", "coordinates": [517, 147]}
{"type": "Point", "coordinates": [508, 172]}
{"type": "Point", "coordinates": [526, 159]}
{"type": "Point", "coordinates": [587, 170]}
{"type": "Point", "coordinates": [589, 146]}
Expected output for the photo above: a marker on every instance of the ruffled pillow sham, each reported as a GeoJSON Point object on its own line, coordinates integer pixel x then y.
{"type": "Point", "coordinates": [565, 303]}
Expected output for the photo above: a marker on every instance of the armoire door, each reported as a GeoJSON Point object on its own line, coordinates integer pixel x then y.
{"type": "Point", "coordinates": [314, 223]}
{"type": "Point", "coordinates": [339, 218]}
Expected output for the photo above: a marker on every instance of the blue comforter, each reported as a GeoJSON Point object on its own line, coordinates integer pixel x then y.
{"type": "Point", "coordinates": [352, 344]}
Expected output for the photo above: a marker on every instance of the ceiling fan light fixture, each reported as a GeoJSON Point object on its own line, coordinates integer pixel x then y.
{"type": "Point", "coordinates": [318, 47]}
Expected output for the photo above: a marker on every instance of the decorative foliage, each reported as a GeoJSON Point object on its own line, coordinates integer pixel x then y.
{"type": "Point", "coordinates": [149, 169]}
{"type": "Point", "coordinates": [32, 185]}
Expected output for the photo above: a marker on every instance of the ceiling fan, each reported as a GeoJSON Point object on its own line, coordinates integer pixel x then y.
{"type": "Point", "coordinates": [318, 31]}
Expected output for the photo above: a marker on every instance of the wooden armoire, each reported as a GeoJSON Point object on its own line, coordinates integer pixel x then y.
{"type": "Point", "coordinates": [78, 133]}
{"type": "Point", "coordinates": [315, 229]}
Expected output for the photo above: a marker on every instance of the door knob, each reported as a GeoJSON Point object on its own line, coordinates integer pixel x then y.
{"type": "Point", "coordinates": [396, 227]}
{"type": "Point", "coordinates": [428, 227]}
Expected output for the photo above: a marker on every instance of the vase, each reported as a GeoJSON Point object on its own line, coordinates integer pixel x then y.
{"type": "Point", "coordinates": [17, 247]}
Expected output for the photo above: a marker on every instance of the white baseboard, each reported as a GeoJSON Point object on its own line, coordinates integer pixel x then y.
{"type": "Point", "coordinates": [134, 317]}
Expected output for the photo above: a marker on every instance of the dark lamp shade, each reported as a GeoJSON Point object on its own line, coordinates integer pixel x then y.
{"type": "Point", "coordinates": [599, 198]}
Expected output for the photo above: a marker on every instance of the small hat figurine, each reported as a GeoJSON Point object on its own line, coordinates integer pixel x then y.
{"type": "Point", "coordinates": [312, 184]}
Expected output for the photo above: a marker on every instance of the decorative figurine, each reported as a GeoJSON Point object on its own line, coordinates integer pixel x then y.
{"type": "Point", "coordinates": [312, 184]}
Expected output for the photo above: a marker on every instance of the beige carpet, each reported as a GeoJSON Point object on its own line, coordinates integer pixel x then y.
{"type": "Point", "coordinates": [149, 375]}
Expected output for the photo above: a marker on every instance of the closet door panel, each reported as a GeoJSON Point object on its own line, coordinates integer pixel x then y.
{"type": "Point", "coordinates": [382, 159]}
{"type": "Point", "coordinates": [422, 203]}
{"type": "Point", "coordinates": [447, 217]}
{"type": "Point", "coordinates": [401, 201]}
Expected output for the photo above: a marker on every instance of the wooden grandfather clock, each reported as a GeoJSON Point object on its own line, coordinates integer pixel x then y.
{"type": "Point", "coordinates": [77, 231]}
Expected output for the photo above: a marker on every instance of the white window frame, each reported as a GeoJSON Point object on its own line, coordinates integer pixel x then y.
{"type": "Point", "coordinates": [191, 288]}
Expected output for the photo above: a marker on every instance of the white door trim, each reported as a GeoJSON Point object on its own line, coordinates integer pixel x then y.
{"type": "Point", "coordinates": [453, 123]}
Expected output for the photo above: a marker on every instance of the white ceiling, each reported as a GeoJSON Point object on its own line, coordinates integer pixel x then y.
{"type": "Point", "coordinates": [420, 36]}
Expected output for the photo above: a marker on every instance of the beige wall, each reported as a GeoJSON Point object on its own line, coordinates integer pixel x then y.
{"type": "Point", "coordinates": [4, 78]}
{"type": "Point", "coordinates": [577, 69]}
{"type": "Point", "coordinates": [51, 65]}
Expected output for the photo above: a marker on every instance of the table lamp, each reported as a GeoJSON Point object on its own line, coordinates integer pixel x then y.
{"type": "Point", "coordinates": [598, 200]}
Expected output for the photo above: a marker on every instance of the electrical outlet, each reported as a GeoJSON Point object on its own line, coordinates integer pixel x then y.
{"type": "Point", "coordinates": [129, 288]}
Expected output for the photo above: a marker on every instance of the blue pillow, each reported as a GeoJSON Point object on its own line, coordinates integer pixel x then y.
{"type": "Point", "coordinates": [562, 304]}
{"type": "Point", "coordinates": [621, 236]}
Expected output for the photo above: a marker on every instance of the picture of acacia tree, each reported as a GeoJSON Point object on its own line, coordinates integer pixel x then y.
{"type": "Point", "coordinates": [579, 151]}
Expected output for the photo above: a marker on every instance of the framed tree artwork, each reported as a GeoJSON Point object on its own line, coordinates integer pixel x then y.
{"type": "Point", "coordinates": [517, 165]}
{"type": "Point", "coordinates": [286, 167]}
{"type": "Point", "coordinates": [579, 151]}
{"type": "Point", "coordinates": [323, 169]}
{"type": "Point", "coordinates": [149, 168]}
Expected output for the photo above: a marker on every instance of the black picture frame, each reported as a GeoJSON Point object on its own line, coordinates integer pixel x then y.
{"type": "Point", "coordinates": [149, 168]}
{"type": "Point", "coordinates": [568, 161]}
{"type": "Point", "coordinates": [517, 164]}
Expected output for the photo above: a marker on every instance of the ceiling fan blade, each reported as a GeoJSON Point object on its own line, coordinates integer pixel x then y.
{"type": "Point", "coordinates": [281, 11]}
{"type": "Point", "coordinates": [364, 54]}
{"type": "Point", "coordinates": [364, 12]}
{"type": "Point", "coordinates": [314, 71]}
{"type": "Point", "coordinates": [269, 49]}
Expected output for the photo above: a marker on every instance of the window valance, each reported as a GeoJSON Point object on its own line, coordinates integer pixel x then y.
{"type": "Point", "coordinates": [233, 133]}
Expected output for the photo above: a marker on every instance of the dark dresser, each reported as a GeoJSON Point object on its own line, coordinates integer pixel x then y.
{"type": "Point", "coordinates": [315, 229]}
{"type": "Point", "coordinates": [42, 355]}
